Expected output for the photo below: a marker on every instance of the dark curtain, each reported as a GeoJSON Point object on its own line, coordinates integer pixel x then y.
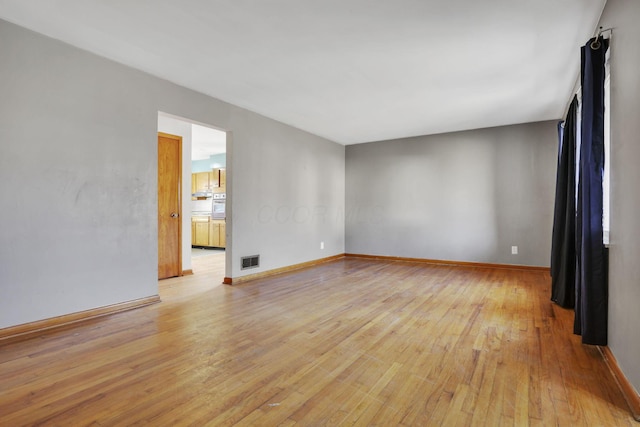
{"type": "Point", "coordinates": [591, 273]}
{"type": "Point", "coordinates": [563, 244]}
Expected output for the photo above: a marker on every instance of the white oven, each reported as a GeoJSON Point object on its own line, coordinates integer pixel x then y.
{"type": "Point", "coordinates": [218, 206]}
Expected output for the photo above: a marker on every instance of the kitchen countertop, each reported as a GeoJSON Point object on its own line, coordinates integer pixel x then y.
{"type": "Point", "coordinates": [204, 217]}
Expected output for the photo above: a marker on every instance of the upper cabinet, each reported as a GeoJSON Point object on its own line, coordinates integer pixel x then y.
{"type": "Point", "coordinates": [223, 178]}
{"type": "Point", "coordinates": [214, 179]}
{"type": "Point", "coordinates": [209, 182]}
{"type": "Point", "coordinates": [220, 177]}
{"type": "Point", "coordinates": [201, 182]}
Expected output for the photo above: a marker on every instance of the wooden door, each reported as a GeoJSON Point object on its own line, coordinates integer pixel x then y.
{"type": "Point", "coordinates": [169, 203]}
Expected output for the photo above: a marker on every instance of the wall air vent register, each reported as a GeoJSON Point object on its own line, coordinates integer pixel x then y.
{"type": "Point", "coordinates": [252, 261]}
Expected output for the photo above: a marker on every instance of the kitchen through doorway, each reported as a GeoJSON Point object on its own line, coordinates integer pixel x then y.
{"type": "Point", "coordinates": [204, 193]}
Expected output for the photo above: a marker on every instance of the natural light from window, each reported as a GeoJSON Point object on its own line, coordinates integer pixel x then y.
{"type": "Point", "coordinates": [606, 183]}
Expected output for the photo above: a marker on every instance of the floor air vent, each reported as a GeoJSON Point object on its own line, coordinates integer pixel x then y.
{"type": "Point", "coordinates": [252, 261]}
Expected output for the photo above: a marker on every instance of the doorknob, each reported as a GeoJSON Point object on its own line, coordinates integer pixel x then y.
{"type": "Point", "coordinates": [174, 215]}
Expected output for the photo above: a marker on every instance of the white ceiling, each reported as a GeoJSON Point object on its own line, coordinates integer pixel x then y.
{"type": "Point", "coordinates": [349, 70]}
{"type": "Point", "coordinates": [206, 142]}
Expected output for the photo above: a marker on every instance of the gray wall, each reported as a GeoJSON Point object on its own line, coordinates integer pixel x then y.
{"type": "Point", "coordinates": [464, 196]}
{"type": "Point", "coordinates": [624, 248]}
{"type": "Point", "coordinates": [78, 171]}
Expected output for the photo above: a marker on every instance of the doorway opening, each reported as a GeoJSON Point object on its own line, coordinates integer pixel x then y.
{"type": "Point", "coordinates": [205, 238]}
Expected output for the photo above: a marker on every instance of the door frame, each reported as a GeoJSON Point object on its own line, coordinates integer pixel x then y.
{"type": "Point", "coordinates": [178, 140]}
{"type": "Point", "coordinates": [186, 176]}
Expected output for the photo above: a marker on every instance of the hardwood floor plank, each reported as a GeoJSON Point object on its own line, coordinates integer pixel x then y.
{"type": "Point", "coordinates": [355, 341]}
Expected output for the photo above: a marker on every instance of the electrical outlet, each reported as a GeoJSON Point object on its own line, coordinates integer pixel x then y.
{"type": "Point", "coordinates": [321, 245]}
{"type": "Point", "coordinates": [514, 250]}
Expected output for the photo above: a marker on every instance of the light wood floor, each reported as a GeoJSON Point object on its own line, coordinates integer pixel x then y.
{"type": "Point", "coordinates": [350, 342]}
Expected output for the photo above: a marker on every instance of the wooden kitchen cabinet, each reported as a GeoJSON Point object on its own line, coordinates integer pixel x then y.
{"type": "Point", "coordinates": [223, 178]}
{"type": "Point", "coordinates": [214, 234]}
{"type": "Point", "coordinates": [217, 230]}
{"type": "Point", "coordinates": [208, 182]}
{"type": "Point", "coordinates": [208, 232]}
{"type": "Point", "coordinates": [214, 179]}
{"type": "Point", "coordinates": [220, 177]}
{"type": "Point", "coordinates": [223, 234]}
{"type": "Point", "coordinates": [201, 182]}
{"type": "Point", "coordinates": [201, 234]}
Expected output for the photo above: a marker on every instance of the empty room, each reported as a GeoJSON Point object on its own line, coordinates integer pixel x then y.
{"type": "Point", "coordinates": [417, 213]}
